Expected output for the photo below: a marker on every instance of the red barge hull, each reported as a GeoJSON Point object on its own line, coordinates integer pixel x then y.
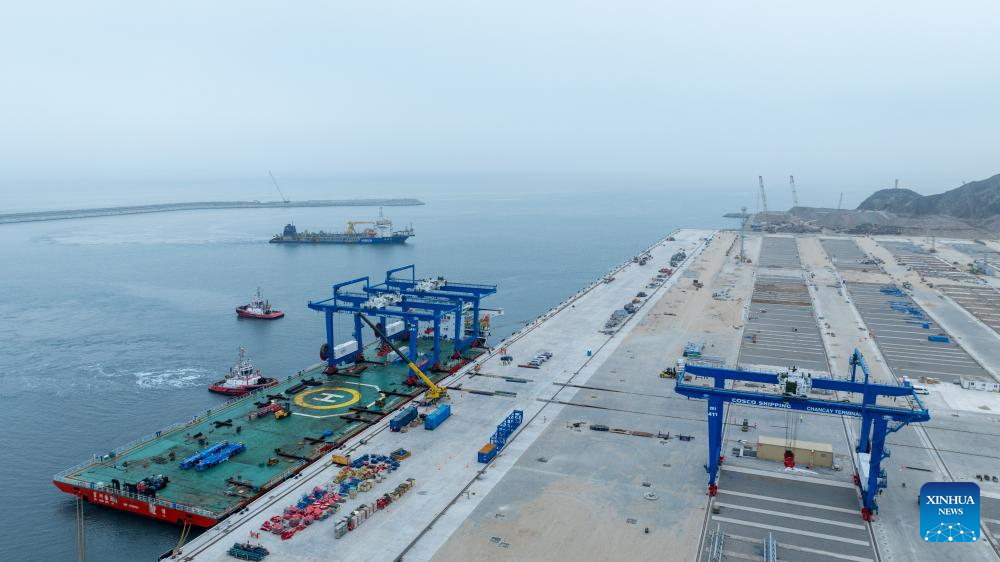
{"type": "Point", "coordinates": [136, 506]}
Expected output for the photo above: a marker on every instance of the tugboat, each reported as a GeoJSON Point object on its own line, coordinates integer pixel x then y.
{"type": "Point", "coordinates": [259, 309]}
{"type": "Point", "coordinates": [242, 379]}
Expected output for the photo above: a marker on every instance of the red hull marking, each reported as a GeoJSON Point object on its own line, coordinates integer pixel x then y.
{"type": "Point", "coordinates": [138, 507]}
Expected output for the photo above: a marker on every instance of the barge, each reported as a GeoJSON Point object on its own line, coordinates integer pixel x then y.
{"type": "Point", "coordinates": [284, 428]}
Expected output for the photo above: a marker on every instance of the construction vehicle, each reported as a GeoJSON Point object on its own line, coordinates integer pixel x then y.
{"type": "Point", "coordinates": [434, 392]}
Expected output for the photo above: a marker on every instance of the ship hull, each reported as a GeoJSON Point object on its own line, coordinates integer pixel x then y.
{"type": "Point", "coordinates": [395, 239]}
{"type": "Point", "coordinates": [219, 388]}
{"type": "Point", "coordinates": [136, 506]}
{"type": "Point", "coordinates": [243, 313]}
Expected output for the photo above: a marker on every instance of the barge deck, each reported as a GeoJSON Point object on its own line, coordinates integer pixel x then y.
{"type": "Point", "coordinates": [323, 416]}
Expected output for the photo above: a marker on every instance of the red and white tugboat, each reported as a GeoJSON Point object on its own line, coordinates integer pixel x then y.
{"type": "Point", "coordinates": [242, 379]}
{"type": "Point", "coordinates": [258, 308]}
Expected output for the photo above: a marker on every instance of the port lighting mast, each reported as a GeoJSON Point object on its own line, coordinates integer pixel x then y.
{"type": "Point", "coordinates": [795, 195]}
{"type": "Point", "coordinates": [763, 196]}
{"type": "Point", "coordinates": [743, 232]}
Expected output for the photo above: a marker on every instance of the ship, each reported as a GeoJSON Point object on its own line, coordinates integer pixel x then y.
{"type": "Point", "coordinates": [381, 232]}
{"type": "Point", "coordinates": [259, 309]}
{"type": "Point", "coordinates": [242, 379]}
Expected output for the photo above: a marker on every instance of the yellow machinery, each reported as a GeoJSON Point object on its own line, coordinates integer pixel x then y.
{"type": "Point", "coordinates": [434, 392]}
{"type": "Point", "coordinates": [350, 225]}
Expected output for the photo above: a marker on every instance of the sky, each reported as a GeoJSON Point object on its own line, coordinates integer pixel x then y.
{"type": "Point", "coordinates": [846, 96]}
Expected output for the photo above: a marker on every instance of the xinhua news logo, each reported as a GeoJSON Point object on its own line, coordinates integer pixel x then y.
{"type": "Point", "coordinates": [949, 512]}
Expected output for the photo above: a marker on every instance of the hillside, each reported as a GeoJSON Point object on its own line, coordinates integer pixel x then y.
{"type": "Point", "coordinates": [975, 201]}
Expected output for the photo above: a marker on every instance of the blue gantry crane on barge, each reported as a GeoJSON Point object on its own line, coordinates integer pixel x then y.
{"type": "Point", "coordinates": [878, 420]}
{"type": "Point", "coordinates": [411, 301]}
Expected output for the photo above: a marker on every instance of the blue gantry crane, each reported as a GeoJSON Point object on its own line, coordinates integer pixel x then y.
{"type": "Point", "coordinates": [411, 301]}
{"type": "Point", "coordinates": [440, 288]}
{"type": "Point", "coordinates": [792, 392]}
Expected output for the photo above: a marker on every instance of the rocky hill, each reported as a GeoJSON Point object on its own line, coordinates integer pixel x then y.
{"type": "Point", "coordinates": [970, 211]}
{"type": "Point", "coordinates": [977, 201]}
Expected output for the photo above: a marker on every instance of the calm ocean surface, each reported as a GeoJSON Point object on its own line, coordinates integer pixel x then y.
{"type": "Point", "coordinates": [111, 328]}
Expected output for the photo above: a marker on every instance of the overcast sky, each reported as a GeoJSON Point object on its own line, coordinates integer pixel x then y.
{"type": "Point", "coordinates": [845, 96]}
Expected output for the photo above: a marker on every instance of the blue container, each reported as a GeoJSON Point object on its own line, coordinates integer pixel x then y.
{"type": "Point", "coordinates": [403, 418]}
{"type": "Point", "coordinates": [927, 325]}
{"type": "Point", "coordinates": [940, 339]}
{"type": "Point", "coordinates": [487, 453]}
{"type": "Point", "coordinates": [435, 418]}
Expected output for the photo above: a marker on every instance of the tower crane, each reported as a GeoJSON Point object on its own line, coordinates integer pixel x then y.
{"type": "Point", "coordinates": [763, 196]}
{"type": "Point", "coordinates": [434, 391]}
{"type": "Point", "coordinates": [275, 182]}
{"type": "Point", "coordinates": [840, 202]}
{"type": "Point", "coordinates": [795, 196]}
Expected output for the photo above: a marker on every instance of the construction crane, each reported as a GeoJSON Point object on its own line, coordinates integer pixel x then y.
{"type": "Point", "coordinates": [350, 225]}
{"type": "Point", "coordinates": [840, 202]}
{"type": "Point", "coordinates": [434, 392]}
{"type": "Point", "coordinates": [275, 182]}
{"type": "Point", "coordinates": [763, 196]}
{"type": "Point", "coordinates": [792, 391]}
{"type": "Point", "coordinates": [795, 196]}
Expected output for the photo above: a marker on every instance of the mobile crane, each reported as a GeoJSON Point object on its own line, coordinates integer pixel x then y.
{"type": "Point", "coordinates": [434, 392]}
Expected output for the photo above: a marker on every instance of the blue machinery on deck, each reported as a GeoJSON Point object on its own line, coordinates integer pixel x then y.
{"type": "Point", "coordinates": [499, 438]}
{"type": "Point", "coordinates": [877, 421]}
{"type": "Point", "coordinates": [411, 300]}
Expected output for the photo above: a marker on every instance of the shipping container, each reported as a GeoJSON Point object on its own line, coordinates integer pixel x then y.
{"type": "Point", "coordinates": [434, 419]}
{"type": "Point", "coordinates": [403, 418]}
{"type": "Point", "coordinates": [487, 453]}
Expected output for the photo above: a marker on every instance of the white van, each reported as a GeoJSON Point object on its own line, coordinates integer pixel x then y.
{"type": "Point", "coordinates": [919, 389]}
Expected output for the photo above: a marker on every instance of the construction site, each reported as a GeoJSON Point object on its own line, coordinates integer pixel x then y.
{"type": "Point", "coordinates": [760, 397]}
{"type": "Point", "coordinates": [722, 395]}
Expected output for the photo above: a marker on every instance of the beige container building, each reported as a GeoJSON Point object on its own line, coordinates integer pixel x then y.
{"type": "Point", "coordinates": [806, 452]}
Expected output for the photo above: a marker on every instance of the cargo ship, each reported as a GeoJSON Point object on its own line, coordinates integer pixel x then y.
{"type": "Point", "coordinates": [381, 232]}
{"type": "Point", "coordinates": [257, 441]}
